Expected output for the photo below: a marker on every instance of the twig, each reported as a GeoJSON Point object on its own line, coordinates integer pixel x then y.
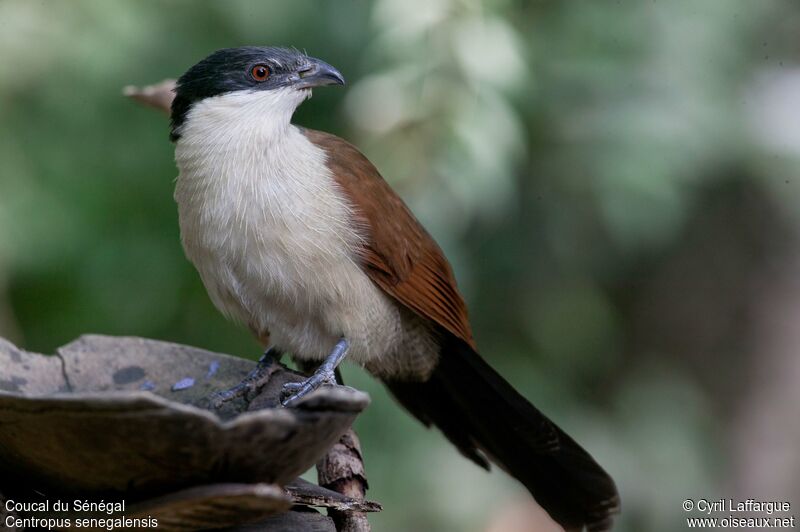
{"type": "Point", "coordinates": [310, 494]}
{"type": "Point", "coordinates": [159, 95]}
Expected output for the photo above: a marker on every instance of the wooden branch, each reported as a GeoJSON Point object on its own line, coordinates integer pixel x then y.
{"type": "Point", "coordinates": [304, 492]}
{"type": "Point", "coordinates": [342, 470]}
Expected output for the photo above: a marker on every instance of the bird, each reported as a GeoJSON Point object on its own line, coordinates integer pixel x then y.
{"type": "Point", "coordinates": [296, 235]}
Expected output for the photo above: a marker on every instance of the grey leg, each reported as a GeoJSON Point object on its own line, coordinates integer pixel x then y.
{"type": "Point", "coordinates": [325, 374]}
{"type": "Point", "coordinates": [254, 380]}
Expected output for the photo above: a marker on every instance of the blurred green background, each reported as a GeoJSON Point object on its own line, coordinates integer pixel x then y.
{"type": "Point", "coordinates": [615, 183]}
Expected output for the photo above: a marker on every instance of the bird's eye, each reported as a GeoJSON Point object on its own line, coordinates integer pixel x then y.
{"type": "Point", "coordinates": [260, 72]}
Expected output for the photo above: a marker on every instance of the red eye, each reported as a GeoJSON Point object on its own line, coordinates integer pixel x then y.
{"type": "Point", "coordinates": [260, 72]}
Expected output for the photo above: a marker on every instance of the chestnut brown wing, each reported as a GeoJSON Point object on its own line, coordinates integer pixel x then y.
{"type": "Point", "coordinates": [398, 255]}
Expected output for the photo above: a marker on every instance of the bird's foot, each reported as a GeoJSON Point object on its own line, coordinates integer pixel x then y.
{"type": "Point", "coordinates": [251, 384]}
{"type": "Point", "coordinates": [298, 390]}
{"type": "Point", "coordinates": [325, 374]}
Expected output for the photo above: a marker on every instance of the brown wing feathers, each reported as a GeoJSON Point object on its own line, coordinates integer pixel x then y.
{"type": "Point", "coordinates": [399, 255]}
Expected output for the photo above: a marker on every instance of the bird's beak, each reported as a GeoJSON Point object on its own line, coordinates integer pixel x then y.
{"type": "Point", "coordinates": [317, 73]}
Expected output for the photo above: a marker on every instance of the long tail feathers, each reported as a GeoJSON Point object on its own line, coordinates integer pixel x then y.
{"type": "Point", "coordinates": [482, 415]}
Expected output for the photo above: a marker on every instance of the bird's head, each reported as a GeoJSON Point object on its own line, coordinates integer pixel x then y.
{"type": "Point", "coordinates": [275, 78]}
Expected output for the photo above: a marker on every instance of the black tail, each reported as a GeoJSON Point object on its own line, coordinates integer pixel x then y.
{"type": "Point", "coordinates": [482, 414]}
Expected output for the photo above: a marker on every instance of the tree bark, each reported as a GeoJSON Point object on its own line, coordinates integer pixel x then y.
{"type": "Point", "coordinates": [342, 470]}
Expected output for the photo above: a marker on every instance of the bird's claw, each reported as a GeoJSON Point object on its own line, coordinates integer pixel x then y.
{"type": "Point", "coordinates": [217, 399]}
{"type": "Point", "coordinates": [291, 387]}
{"type": "Point", "coordinates": [298, 390]}
{"type": "Point", "coordinates": [249, 386]}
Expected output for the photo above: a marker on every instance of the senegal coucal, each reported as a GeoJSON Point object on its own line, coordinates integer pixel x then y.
{"type": "Point", "coordinates": [296, 234]}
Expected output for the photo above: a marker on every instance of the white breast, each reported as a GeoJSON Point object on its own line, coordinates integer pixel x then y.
{"type": "Point", "coordinates": [267, 227]}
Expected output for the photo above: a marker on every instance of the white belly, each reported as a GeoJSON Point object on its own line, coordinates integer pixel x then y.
{"type": "Point", "coordinates": [275, 251]}
{"type": "Point", "coordinates": [271, 234]}
{"type": "Point", "coordinates": [267, 228]}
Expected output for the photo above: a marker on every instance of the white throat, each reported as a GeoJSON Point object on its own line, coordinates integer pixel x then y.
{"type": "Point", "coordinates": [255, 117]}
